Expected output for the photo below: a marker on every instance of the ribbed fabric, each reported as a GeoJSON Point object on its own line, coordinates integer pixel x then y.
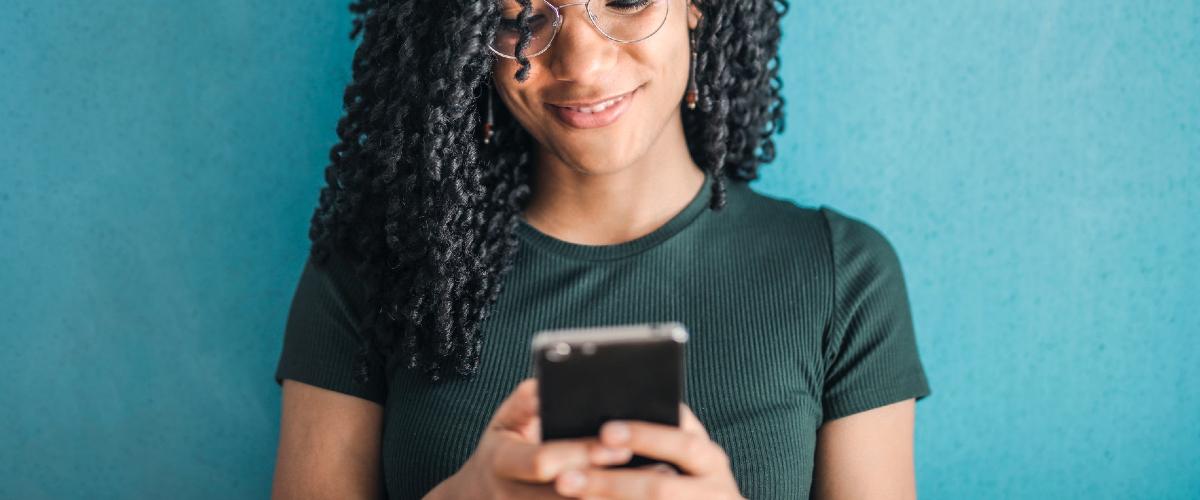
{"type": "Point", "coordinates": [797, 316]}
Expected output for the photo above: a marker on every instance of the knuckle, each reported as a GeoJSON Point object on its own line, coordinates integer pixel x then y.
{"type": "Point", "coordinates": [537, 464]}
{"type": "Point", "coordinates": [697, 446]}
{"type": "Point", "coordinates": [694, 446]}
{"type": "Point", "coordinates": [543, 465]}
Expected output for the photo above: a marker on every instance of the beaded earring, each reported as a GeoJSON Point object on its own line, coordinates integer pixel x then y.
{"type": "Point", "coordinates": [487, 125]}
{"type": "Point", "coordinates": [693, 93]}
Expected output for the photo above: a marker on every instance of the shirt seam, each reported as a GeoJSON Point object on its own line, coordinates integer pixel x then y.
{"type": "Point", "coordinates": [831, 316]}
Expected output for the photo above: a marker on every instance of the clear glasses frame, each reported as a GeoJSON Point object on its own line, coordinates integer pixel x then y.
{"type": "Point", "coordinates": [587, 6]}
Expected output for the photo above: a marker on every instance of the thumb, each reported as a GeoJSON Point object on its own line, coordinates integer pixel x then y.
{"type": "Point", "coordinates": [519, 408]}
{"type": "Point", "coordinates": [689, 422]}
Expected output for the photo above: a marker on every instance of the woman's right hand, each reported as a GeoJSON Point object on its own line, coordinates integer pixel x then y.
{"type": "Point", "coordinates": [510, 460]}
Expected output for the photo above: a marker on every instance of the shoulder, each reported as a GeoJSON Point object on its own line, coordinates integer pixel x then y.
{"type": "Point", "coordinates": [773, 217]}
{"type": "Point", "coordinates": [769, 212]}
{"type": "Point", "coordinates": [332, 272]}
{"type": "Point", "coordinates": [859, 248]}
{"type": "Point", "coordinates": [332, 259]}
{"type": "Point", "coordinates": [843, 239]}
{"type": "Point", "coordinates": [850, 235]}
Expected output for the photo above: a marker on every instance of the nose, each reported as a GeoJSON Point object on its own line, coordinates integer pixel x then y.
{"type": "Point", "coordinates": [580, 53]}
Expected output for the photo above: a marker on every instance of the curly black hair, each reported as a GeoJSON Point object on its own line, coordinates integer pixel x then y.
{"type": "Point", "coordinates": [427, 212]}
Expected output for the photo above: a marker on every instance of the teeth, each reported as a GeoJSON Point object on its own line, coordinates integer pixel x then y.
{"type": "Point", "coordinates": [598, 107]}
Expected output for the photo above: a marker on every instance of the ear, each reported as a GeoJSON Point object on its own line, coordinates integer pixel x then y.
{"type": "Point", "coordinates": [694, 14]}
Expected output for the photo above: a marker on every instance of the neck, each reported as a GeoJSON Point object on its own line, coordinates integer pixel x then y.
{"type": "Point", "coordinates": [588, 207]}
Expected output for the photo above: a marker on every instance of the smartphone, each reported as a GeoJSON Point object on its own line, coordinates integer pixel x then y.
{"type": "Point", "coordinates": [587, 376]}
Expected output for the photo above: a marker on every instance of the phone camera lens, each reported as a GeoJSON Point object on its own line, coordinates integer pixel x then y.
{"type": "Point", "coordinates": [559, 352]}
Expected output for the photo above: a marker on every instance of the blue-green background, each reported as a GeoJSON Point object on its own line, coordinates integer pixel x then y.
{"type": "Point", "coordinates": [1035, 163]}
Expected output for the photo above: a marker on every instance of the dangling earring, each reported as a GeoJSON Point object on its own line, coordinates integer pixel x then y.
{"type": "Point", "coordinates": [487, 125]}
{"type": "Point", "coordinates": [692, 93]}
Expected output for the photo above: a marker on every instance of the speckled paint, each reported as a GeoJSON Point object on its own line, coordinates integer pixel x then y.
{"type": "Point", "coordinates": [1035, 164]}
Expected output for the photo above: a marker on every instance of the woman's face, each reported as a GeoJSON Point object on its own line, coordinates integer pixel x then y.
{"type": "Point", "coordinates": [583, 70]}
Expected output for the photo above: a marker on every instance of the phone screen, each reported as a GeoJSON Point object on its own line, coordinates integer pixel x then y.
{"type": "Point", "coordinates": [587, 376]}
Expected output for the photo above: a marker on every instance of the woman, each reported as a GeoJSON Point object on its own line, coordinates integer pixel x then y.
{"type": "Point", "coordinates": [518, 165]}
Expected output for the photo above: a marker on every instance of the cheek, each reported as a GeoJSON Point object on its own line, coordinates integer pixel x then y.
{"type": "Point", "coordinates": [667, 67]}
{"type": "Point", "coordinates": [518, 98]}
{"type": "Point", "coordinates": [504, 79]}
{"type": "Point", "coordinates": [509, 90]}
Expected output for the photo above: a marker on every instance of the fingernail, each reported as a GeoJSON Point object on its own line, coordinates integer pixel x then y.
{"type": "Point", "coordinates": [572, 481]}
{"type": "Point", "coordinates": [617, 432]}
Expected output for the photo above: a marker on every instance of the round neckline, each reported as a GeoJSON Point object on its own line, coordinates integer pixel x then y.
{"type": "Point", "coordinates": [642, 243]}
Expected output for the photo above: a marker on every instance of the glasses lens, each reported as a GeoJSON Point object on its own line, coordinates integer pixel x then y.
{"type": "Point", "coordinates": [540, 23]}
{"type": "Point", "coordinates": [629, 20]}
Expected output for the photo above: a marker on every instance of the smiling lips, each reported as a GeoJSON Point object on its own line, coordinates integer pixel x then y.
{"type": "Point", "coordinates": [598, 107]}
{"type": "Point", "coordinates": [594, 115]}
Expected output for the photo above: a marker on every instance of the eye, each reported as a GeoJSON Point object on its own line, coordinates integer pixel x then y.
{"type": "Point", "coordinates": [627, 6]}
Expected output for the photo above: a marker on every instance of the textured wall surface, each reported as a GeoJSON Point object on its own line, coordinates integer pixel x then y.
{"type": "Point", "coordinates": [1036, 164]}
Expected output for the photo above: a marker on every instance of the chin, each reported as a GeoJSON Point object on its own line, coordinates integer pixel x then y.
{"type": "Point", "coordinates": [594, 159]}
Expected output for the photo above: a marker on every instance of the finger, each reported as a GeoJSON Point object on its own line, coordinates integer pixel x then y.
{"type": "Point", "coordinates": [519, 408]}
{"type": "Point", "coordinates": [620, 484]}
{"type": "Point", "coordinates": [540, 463]}
{"type": "Point", "coordinates": [690, 451]}
{"type": "Point", "coordinates": [659, 468]}
{"type": "Point", "coordinates": [607, 455]}
{"type": "Point", "coordinates": [531, 491]}
{"type": "Point", "coordinates": [689, 422]}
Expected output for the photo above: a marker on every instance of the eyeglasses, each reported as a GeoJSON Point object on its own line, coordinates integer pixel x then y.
{"type": "Point", "coordinates": [624, 21]}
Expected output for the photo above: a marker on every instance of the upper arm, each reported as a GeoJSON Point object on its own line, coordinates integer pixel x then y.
{"type": "Point", "coordinates": [322, 339]}
{"type": "Point", "coordinates": [867, 455]}
{"type": "Point", "coordinates": [329, 445]}
{"type": "Point", "coordinates": [331, 424]}
{"type": "Point", "coordinates": [870, 348]}
{"type": "Point", "coordinates": [873, 374]}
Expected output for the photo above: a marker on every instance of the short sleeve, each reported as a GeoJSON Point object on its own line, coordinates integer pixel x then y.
{"type": "Point", "coordinates": [870, 349]}
{"type": "Point", "coordinates": [321, 340]}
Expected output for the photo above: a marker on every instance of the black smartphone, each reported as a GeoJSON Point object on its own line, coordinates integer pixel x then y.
{"type": "Point", "coordinates": [587, 376]}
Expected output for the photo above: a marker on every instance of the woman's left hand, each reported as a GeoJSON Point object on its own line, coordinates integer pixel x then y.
{"type": "Point", "coordinates": [705, 465]}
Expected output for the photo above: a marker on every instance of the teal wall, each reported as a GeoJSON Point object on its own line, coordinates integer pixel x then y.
{"type": "Point", "coordinates": [1035, 163]}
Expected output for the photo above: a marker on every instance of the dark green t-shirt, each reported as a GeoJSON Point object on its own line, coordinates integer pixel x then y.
{"type": "Point", "coordinates": [796, 316]}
